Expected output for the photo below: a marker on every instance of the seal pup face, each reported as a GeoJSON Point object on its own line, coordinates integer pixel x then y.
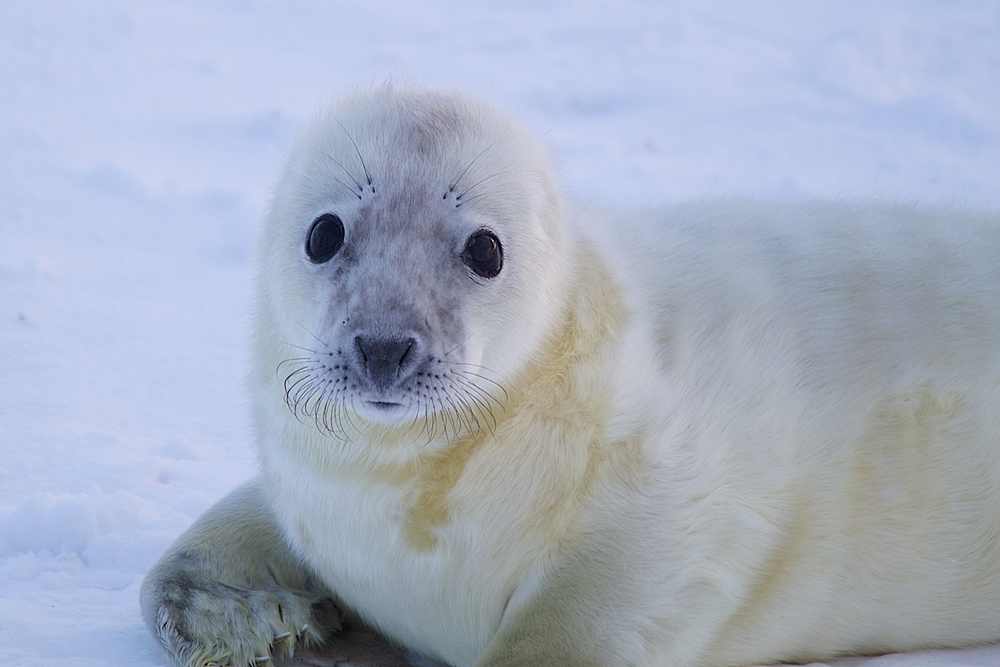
{"type": "Point", "coordinates": [413, 260]}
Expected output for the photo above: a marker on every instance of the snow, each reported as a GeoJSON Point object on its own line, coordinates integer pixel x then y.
{"type": "Point", "coordinates": [140, 142]}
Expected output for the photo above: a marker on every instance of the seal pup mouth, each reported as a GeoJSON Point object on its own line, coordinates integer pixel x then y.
{"type": "Point", "coordinates": [385, 405]}
{"type": "Point", "coordinates": [382, 411]}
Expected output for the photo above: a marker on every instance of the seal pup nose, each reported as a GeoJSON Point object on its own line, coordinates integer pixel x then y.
{"type": "Point", "coordinates": [383, 359]}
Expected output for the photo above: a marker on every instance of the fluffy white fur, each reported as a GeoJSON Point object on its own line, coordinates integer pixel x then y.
{"type": "Point", "coordinates": [733, 432]}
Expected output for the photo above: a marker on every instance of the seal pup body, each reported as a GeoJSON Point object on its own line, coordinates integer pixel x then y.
{"type": "Point", "coordinates": [503, 434]}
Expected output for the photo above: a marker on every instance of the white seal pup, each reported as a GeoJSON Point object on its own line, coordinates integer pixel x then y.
{"type": "Point", "coordinates": [506, 435]}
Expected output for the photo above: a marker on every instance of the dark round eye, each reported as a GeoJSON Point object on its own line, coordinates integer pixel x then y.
{"type": "Point", "coordinates": [325, 238]}
{"type": "Point", "coordinates": [483, 254]}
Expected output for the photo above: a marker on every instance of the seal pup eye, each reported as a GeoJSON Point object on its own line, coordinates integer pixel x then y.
{"type": "Point", "coordinates": [483, 254]}
{"type": "Point", "coordinates": [325, 238]}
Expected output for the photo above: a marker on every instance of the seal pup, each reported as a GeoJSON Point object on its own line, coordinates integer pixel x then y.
{"type": "Point", "coordinates": [507, 434]}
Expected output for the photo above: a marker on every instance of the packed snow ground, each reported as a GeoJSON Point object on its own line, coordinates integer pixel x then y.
{"type": "Point", "coordinates": [138, 147]}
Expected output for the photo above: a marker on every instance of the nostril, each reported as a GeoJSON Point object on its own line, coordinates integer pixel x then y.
{"type": "Point", "coordinates": [410, 343]}
{"type": "Point", "coordinates": [360, 345]}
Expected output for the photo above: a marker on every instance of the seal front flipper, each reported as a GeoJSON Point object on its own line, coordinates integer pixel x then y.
{"type": "Point", "coordinates": [230, 591]}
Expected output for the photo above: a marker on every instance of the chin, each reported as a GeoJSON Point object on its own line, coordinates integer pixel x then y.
{"type": "Point", "coordinates": [384, 413]}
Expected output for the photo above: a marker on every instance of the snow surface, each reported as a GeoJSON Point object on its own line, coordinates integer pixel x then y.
{"type": "Point", "coordinates": [139, 143]}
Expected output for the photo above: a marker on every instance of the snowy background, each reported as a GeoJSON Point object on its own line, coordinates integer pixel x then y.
{"type": "Point", "coordinates": [138, 144]}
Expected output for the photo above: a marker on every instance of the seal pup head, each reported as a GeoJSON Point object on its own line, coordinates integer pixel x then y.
{"type": "Point", "coordinates": [413, 259]}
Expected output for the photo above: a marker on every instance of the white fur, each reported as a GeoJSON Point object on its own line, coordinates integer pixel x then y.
{"type": "Point", "coordinates": [811, 392]}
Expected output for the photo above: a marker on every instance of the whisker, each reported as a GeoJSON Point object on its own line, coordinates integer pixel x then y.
{"type": "Point", "coordinates": [469, 382]}
{"type": "Point", "coordinates": [324, 414]}
{"type": "Point", "coordinates": [346, 187]}
{"type": "Point", "coordinates": [430, 420]}
{"type": "Point", "coordinates": [288, 361]}
{"type": "Point", "coordinates": [480, 182]}
{"type": "Point", "coordinates": [306, 388]}
{"type": "Point", "coordinates": [315, 337]}
{"type": "Point", "coordinates": [315, 414]}
{"type": "Point", "coordinates": [413, 422]}
{"type": "Point", "coordinates": [303, 369]}
{"type": "Point", "coordinates": [289, 390]}
{"type": "Point", "coordinates": [433, 433]}
{"type": "Point", "coordinates": [424, 420]}
{"type": "Point", "coordinates": [329, 410]}
{"type": "Point", "coordinates": [430, 432]}
{"type": "Point", "coordinates": [307, 349]}
{"type": "Point", "coordinates": [449, 420]}
{"type": "Point", "coordinates": [477, 400]}
{"type": "Point", "coordinates": [468, 414]}
{"type": "Point", "coordinates": [303, 392]}
{"type": "Point", "coordinates": [491, 381]}
{"type": "Point", "coordinates": [335, 425]}
{"type": "Point", "coordinates": [357, 150]}
{"type": "Point", "coordinates": [450, 412]}
{"type": "Point", "coordinates": [352, 411]}
{"type": "Point", "coordinates": [336, 411]}
{"type": "Point", "coordinates": [337, 162]}
{"type": "Point", "coordinates": [471, 365]}
{"type": "Point", "coordinates": [474, 408]}
{"type": "Point", "coordinates": [458, 179]}
{"type": "Point", "coordinates": [472, 399]}
{"type": "Point", "coordinates": [338, 402]}
{"type": "Point", "coordinates": [324, 386]}
{"type": "Point", "coordinates": [472, 199]}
